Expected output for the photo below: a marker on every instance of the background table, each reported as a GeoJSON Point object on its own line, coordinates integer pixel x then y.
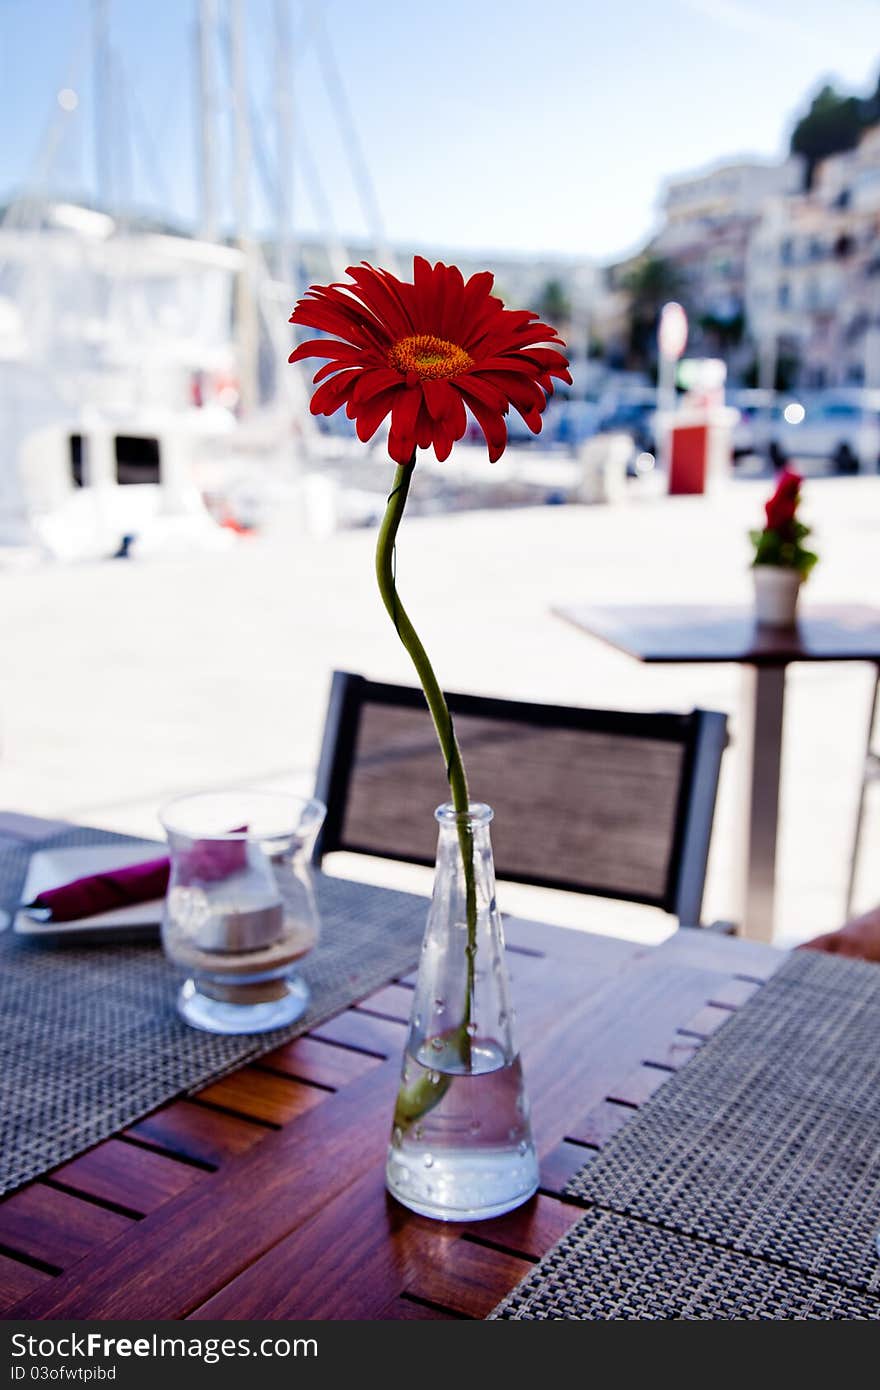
{"type": "Point", "coordinates": [263, 1195]}
{"type": "Point", "coordinates": [693, 634]}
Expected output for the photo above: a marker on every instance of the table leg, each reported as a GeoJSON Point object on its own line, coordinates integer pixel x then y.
{"type": "Point", "coordinates": [760, 738]}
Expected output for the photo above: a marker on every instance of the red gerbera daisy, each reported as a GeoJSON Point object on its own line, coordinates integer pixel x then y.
{"type": "Point", "coordinates": [424, 351]}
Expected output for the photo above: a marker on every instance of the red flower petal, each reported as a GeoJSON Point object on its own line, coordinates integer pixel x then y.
{"type": "Point", "coordinates": [378, 296]}
{"type": "Point", "coordinates": [483, 390]}
{"type": "Point", "coordinates": [330, 318]}
{"type": "Point", "coordinates": [443, 440]}
{"type": "Point", "coordinates": [490, 422]}
{"type": "Point", "coordinates": [427, 295]}
{"type": "Point", "coordinates": [524, 394]}
{"type": "Point", "coordinates": [325, 347]}
{"type": "Point", "coordinates": [374, 380]}
{"type": "Point", "coordinates": [324, 372]}
{"type": "Point", "coordinates": [425, 429]}
{"type": "Point", "coordinates": [402, 439]}
{"type": "Point", "coordinates": [439, 397]}
{"type": "Point", "coordinates": [453, 300]}
{"type": "Point", "coordinates": [329, 397]}
{"type": "Point", "coordinates": [370, 415]}
{"type": "Point", "coordinates": [447, 411]}
{"type": "Point", "coordinates": [477, 292]}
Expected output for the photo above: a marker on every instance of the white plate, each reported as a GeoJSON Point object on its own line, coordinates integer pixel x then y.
{"type": "Point", "coordinates": [52, 868]}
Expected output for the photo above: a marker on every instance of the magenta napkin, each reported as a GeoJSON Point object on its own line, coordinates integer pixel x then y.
{"type": "Point", "coordinates": [86, 897]}
{"type": "Point", "coordinates": [209, 861]}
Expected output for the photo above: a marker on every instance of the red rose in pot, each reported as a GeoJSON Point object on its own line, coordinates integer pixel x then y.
{"type": "Point", "coordinates": [782, 506]}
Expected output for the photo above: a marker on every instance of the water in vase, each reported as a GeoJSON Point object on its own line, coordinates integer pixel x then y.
{"type": "Point", "coordinates": [461, 1146]}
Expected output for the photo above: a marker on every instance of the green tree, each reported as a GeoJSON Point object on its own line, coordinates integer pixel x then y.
{"type": "Point", "coordinates": [554, 305]}
{"type": "Point", "coordinates": [652, 282]}
{"type": "Point", "coordinates": [726, 332]}
{"type": "Point", "coordinates": [833, 123]}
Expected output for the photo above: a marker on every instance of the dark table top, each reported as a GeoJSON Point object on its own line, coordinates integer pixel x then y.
{"type": "Point", "coordinates": [703, 632]}
{"type": "Point", "coordinates": [262, 1196]}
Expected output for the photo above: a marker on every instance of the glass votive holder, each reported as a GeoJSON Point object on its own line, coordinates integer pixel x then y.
{"type": "Point", "coordinates": [240, 909]}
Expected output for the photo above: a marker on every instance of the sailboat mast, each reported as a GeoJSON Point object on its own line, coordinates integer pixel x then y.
{"type": "Point", "coordinates": [246, 307]}
{"type": "Point", "coordinates": [284, 145]}
{"type": "Point", "coordinates": [206, 161]}
{"type": "Point", "coordinates": [103, 103]}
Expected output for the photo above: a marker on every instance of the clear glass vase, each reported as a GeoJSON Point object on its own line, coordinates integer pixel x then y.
{"type": "Point", "coordinates": [461, 1142]}
{"type": "Point", "coordinates": [240, 910]}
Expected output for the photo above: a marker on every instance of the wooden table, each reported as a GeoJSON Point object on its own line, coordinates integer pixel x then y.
{"type": "Point", "coordinates": [694, 634]}
{"type": "Point", "coordinates": [263, 1195]}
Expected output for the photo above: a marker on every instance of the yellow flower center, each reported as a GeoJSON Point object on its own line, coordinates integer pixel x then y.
{"type": "Point", "coordinates": [429, 358]}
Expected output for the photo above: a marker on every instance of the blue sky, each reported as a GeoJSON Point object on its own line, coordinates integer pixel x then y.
{"type": "Point", "coordinates": [486, 124]}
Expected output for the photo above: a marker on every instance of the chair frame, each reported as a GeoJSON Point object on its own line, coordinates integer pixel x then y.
{"type": "Point", "coordinates": [870, 774]}
{"type": "Point", "coordinates": [702, 734]}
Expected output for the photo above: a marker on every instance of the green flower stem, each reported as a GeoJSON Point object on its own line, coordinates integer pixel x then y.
{"type": "Point", "coordinates": [442, 723]}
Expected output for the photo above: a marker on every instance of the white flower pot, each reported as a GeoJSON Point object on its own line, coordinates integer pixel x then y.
{"type": "Point", "coordinates": [776, 594]}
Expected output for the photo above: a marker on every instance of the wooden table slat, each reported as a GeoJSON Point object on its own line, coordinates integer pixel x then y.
{"type": "Point", "coordinates": [529, 1231]}
{"type": "Point", "coordinates": [379, 1036]}
{"type": "Point", "coordinates": [392, 1001]}
{"type": "Point", "coordinates": [17, 1279]}
{"type": "Point", "coordinates": [732, 994]}
{"type": "Point", "coordinates": [705, 1022]}
{"type": "Point", "coordinates": [314, 1272]}
{"type": "Point", "coordinates": [321, 1062]}
{"type": "Point", "coordinates": [637, 1087]}
{"type": "Point", "coordinates": [561, 1164]}
{"type": "Point", "coordinates": [197, 1132]}
{"type": "Point", "coordinates": [55, 1227]}
{"type": "Point", "coordinates": [261, 1095]}
{"type": "Point", "coordinates": [673, 1054]}
{"type": "Point", "coordinates": [409, 1309]}
{"type": "Point", "coordinates": [472, 1283]}
{"type": "Point", "coordinates": [127, 1176]}
{"type": "Point", "coordinates": [598, 1126]}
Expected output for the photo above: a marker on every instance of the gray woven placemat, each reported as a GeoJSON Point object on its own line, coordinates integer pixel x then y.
{"type": "Point", "coordinates": [89, 1036]}
{"type": "Point", "coordinates": [768, 1141]}
{"type": "Point", "coordinates": [613, 1266]}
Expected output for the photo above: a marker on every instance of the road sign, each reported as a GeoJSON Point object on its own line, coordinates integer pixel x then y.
{"type": "Point", "coordinates": [673, 331]}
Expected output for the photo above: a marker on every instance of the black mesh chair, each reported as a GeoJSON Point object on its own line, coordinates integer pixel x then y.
{"type": "Point", "coordinates": [593, 801]}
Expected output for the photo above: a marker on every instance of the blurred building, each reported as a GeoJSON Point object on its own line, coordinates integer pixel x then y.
{"type": "Point", "coordinates": [700, 256]}
{"type": "Point", "coordinates": [781, 281]}
{"type": "Point", "coordinates": [709, 220]}
{"type": "Point", "coordinates": [813, 272]}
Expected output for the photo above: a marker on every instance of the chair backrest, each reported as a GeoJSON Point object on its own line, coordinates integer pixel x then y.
{"type": "Point", "coordinates": [607, 802]}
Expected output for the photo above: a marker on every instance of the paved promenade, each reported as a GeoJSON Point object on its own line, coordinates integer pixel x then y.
{"type": "Point", "coordinates": [124, 683]}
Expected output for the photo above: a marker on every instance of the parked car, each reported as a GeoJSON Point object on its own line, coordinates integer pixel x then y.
{"type": "Point", "coordinates": [569, 422]}
{"type": "Point", "coordinates": [841, 428]}
{"type": "Point", "coordinates": [755, 410]}
{"type": "Point", "coordinates": [634, 415]}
